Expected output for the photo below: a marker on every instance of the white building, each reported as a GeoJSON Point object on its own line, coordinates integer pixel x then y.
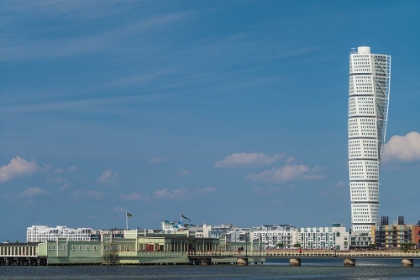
{"type": "Point", "coordinates": [369, 88]}
{"type": "Point", "coordinates": [334, 237]}
{"type": "Point", "coordinates": [171, 227]}
{"type": "Point", "coordinates": [44, 233]}
{"type": "Point", "coordinates": [271, 235]}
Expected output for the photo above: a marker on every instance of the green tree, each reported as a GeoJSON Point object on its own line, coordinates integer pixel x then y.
{"type": "Point", "coordinates": [297, 245]}
{"type": "Point", "coordinates": [280, 245]}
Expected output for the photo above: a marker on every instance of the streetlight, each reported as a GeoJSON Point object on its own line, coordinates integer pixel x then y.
{"type": "Point", "coordinates": [246, 244]}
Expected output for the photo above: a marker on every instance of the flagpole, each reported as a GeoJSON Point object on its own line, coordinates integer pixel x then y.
{"type": "Point", "coordinates": [181, 221]}
{"type": "Point", "coordinates": [126, 220]}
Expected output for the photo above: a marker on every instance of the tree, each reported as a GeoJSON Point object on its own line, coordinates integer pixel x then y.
{"type": "Point", "coordinates": [406, 246]}
{"type": "Point", "coordinates": [297, 245]}
{"type": "Point", "coordinates": [372, 246]}
{"type": "Point", "coordinates": [280, 245]}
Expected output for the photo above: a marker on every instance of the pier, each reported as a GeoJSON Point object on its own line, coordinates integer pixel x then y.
{"type": "Point", "coordinates": [20, 254]}
{"type": "Point", "coordinates": [295, 257]}
{"type": "Point", "coordinates": [97, 253]}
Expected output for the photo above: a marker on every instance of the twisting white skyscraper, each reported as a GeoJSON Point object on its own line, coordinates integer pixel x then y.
{"type": "Point", "coordinates": [369, 87]}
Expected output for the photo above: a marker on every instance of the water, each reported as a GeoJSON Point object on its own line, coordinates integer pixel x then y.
{"type": "Point", "coordinates": [272, 269]}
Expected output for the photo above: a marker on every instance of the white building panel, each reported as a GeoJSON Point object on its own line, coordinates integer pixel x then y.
{"type": "Point", "coordinates": [364, 170]}
{"type": "Point", "coordinates": [364, 191]}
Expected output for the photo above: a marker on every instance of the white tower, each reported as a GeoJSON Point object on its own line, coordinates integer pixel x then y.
{"type": "Point", "coordinates": [369, 87]}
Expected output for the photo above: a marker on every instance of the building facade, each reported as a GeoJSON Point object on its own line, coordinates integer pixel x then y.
{"type": "Point", "coordinates": [45, 233]}
{"type": "Point", "coordinates": [328, 238]}
{"type": "Point", "coordinates": [396, 236]}
{"type": "Point", "coordinates": [269, 236]}
{"type": "Point", "coordinates": [369, 88]}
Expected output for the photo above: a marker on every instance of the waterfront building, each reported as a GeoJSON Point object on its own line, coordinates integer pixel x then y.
{"type": "Point", "coordinates": [171, 227]}
{"type": "Point", "coordinates": [369, 88]}
{"type": "Point", "coordinates": [271, 235]}
{"type": "Point", "coordinates": [334, 237]}
{"type": "Point", "coordinates": [396, 236]}
{"type": "Point", "coordinates": [136, 247]}
{"type": "Point", "coordinates": [220, 231]}
{"type": "Point", "coordinates": [39, 233]}
{"type": "Point", "coordinates": [361, 240]}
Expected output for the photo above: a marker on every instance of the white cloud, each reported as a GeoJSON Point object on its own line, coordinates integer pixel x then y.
{"type": "Point", "coordinates": [403, 148]}
{"type": "Point", "coordinates": [58, 171]}
{"type": "Point", "coordinates": [288, 173]}
{"type": "Point", "coordinates": [73, 169]}
{"type": "Point", "coordinates": [31, 192]}
{"type": "Point", "coordinates": [95, 195]}
{"type": "Point", "coordinates": [157, 160]}
{"type": "Point", "coordinates": [17, 167]}
{"type": "Point", "coordinates": [133, 196]}
{"type": "Point", "coordinates": [108, 177]}
{"type": "Point", "coordinates": [184, 173]}
{"type": "Point", "coordinates": [56, 180]}
{"type": "Point", "coordinates": [170, 194]}
{"type": "Point", "coordinates": [206, 190]}
{"type": "Point", "coordinates": [64, 187]}
{"type": "Point", "coordinates": [248, 159]}
{"type": "Point", "coordinates": [182, 192]}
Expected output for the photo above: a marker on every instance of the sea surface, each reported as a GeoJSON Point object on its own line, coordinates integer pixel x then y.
{"type": "Point", "coordinates": [272, 269]}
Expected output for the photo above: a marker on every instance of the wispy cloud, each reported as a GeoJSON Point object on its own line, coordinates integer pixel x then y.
{"type": "Point", "coordinates": [16, 168]}
{"type": "Point", "coordinates": [56, 180]}
{"type": "Point", "coordinates": [165, 193]}
{"type": "Point", "coordinates": [111, 40]}
{"type": "Point", "coordinates": [31, 192]}
{"type": "Point", "coordinates": [64, 187]}
{"type": "Point", "coordinates": [168, 194]}
{"type": "Point", "coordinates": [89, 195]}
{"type": "Point", "coordinates": [134, 196]}
{"type": "Point", "coordinates": [288, 173]}
{"type": "Point", "coordinates": [182, 192]}
{"type": "Point", "coordinates": [248, 159]}
{"type": "Point", "coordinates": [158, 160]}
{"type": "Point", "coordinates": [109, 177]}
{"type": "Point", "coordinates": [403, 148]}
{"type": "Point", "coordinates": [73, 168]}
{"type": "Point", "coordinates": [184, 173]}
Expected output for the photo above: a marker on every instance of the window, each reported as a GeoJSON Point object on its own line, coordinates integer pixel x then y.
{"type": "Point", "coordinates": [49, 247]}
{"type": "Point", "coordinates": [59, 248]}
{"type": "Point", "coordinates": [80, 248]}
{"type": "Point", "coordinates": [73, 248]}
{"type": "Point", "coordinates": [64, 247]}
{"type": "Point", "coordinates": [87, 248]}
{"type": "Point", "coordinates": [95, 248]}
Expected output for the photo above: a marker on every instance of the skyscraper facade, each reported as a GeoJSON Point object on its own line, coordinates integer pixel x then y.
{"type": "Point", "coordinates": [369, 88]}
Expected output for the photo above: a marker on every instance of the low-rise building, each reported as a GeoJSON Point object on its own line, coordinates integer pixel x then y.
{"type": "Point", "coordinates": [39, 233]}
{"type": "Point", "coordinates": [396, 236]}
{"type": "Point", "coordinates": [334, 237]}
{"type": "Point", "coordinates": [269, 236]}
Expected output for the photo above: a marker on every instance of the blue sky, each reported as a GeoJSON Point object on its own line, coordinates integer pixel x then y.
{"type": "Point", "coordinates": [226, 111]}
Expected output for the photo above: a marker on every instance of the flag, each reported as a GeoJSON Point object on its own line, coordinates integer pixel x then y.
{"type": "Point", "coordinates": [182, 215]}
{"type": "Point", "coordinates": [129, 215]}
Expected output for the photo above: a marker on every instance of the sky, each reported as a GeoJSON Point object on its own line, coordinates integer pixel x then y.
{"type": "Point", "coordinates": [224, 111]}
